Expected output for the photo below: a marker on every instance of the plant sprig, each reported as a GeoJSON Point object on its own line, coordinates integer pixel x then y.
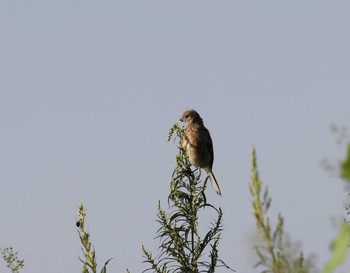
{"type": "Point", "coordinates": [89, 261]}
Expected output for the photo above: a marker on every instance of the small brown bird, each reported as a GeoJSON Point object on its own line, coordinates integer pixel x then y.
{"type": "Point", "coordinates": [198, 145]}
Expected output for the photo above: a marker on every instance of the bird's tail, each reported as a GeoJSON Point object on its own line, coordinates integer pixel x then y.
{"type": "Point", "coordinates": [214, 183]}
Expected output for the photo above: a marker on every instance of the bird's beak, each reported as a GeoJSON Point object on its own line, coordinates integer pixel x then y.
{"type": "Point", "coordinates": [182, 119]}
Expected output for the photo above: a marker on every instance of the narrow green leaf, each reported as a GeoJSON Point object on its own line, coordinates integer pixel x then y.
{"type": "Point", "coordinates": [104, 269]}
{"type": "Point", "coordinates": [345, 166]}
{"type": "Point", "coordinates": [339, 249]}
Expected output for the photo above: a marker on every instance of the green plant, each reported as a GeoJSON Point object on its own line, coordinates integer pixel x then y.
{"type": "Point", "coordinates": [277, 254]}
{"type": "Point", "coordinates": [345, 165]}
{"type": "Point", "coordinates": [11, 259]}
{"type": "Point", "coordinates": [339, 249]}
{"type": "Point", "coordinates": [345, 174]}
{"type": "Point", "coordinates": [340, 245]}
{"type": "Point", "coordinates": [182, 248]}
{"type": "Point", "coordinates": [89, 261]}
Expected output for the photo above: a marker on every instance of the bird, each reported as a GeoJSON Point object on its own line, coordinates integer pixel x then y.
{"type": "Point", "coordinates": [198, 145]}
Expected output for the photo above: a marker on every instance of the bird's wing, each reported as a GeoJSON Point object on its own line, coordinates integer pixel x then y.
{"type": "Point", "coordinates": [209, 146]}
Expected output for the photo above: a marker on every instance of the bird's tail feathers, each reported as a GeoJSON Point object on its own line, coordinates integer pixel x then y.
{"type": "Point", "coordinates": [214, 183]}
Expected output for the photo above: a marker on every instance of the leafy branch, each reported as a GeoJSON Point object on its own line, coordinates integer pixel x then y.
{"type": "Point", "coordinates": [11, 259]}
{"type": "Point", "coordinates": [274, 256]}
{"type": "Point", "coordinates": [89, 261]}
{"type": "Point", "coordinates": [182, 248]}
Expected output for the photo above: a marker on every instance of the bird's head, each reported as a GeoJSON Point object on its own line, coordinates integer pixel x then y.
{"type": "Point", "coordinates": [191, 116]}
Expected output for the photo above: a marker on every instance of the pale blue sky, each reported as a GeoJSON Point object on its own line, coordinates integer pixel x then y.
{"type": "Point", "coordinates": [89, 90]}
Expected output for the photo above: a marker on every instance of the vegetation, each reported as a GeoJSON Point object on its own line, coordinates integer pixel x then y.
{"type": "Point", "coordinates": [277, 255]}
{"type": "Point", "coordinates": [11, 259]}
{"type": "Point", "coordinates": [89, 260]}
{"type": "Point", "coordinates": [184, 247]}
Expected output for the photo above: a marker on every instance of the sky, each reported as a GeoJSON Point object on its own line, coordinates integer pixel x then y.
{"type": "Point", "coordinates": [89, 90]}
